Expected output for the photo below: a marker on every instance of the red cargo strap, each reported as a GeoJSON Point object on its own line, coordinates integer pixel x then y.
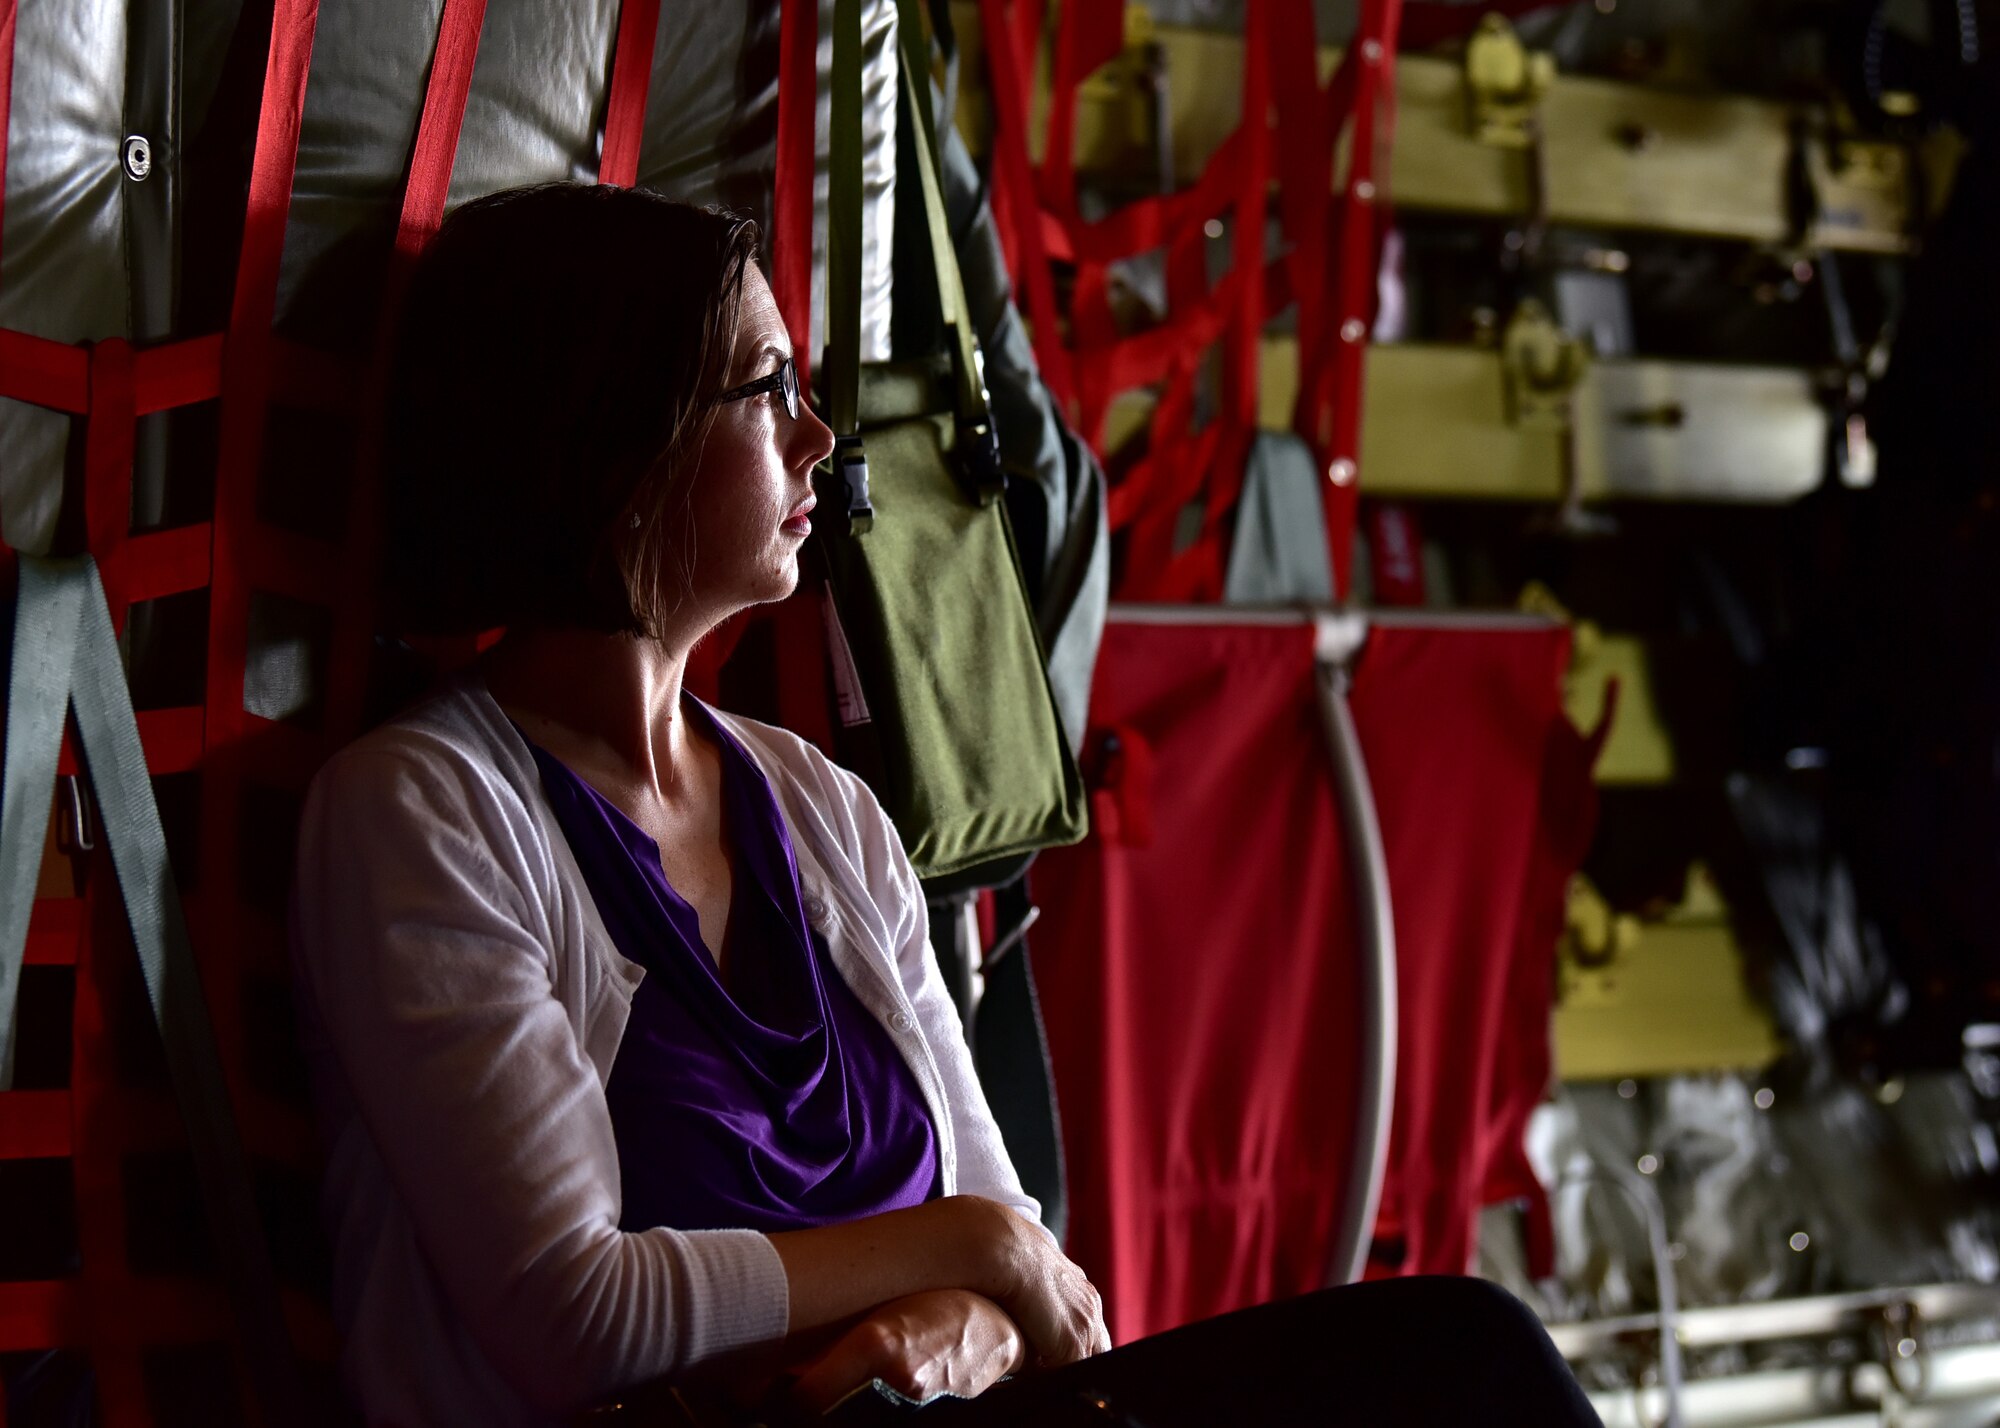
{"type": "Point", "coordinates": [246, 361]}
{"type": "Point", "coordinates": [1038, 213]}
{"type": "Point", "coordinates": [1335, 417]}
{"type": "Point", "coordinates": [107, 457]}
{"type": "Point", "coordinates": [631, 82]}
{"type": "Point", "coordinates": [437, 134]}
{"type": "Point", "coordinates": [1015, 210]}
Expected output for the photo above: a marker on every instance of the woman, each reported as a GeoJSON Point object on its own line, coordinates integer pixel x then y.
{"type": "Point", "coordinates": [633, 1059]}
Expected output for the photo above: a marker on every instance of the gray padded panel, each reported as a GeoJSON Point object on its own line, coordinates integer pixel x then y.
{"type": "Point", "coordinates": [712, 128]}
{"type": "Point", "coordinates": [536, 111]}
{"type": "Point", "coordinates": [62, 269]}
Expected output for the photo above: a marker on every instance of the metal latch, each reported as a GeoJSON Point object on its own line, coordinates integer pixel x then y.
{"type": "Point", "coordinates": [850, 467]}
{"type": "Point", "coordinates": [977, 447]}
{"type": "Point", "coordinates": [1543, 366]}
{"type": "Point", "coordinates": [1504, 82]}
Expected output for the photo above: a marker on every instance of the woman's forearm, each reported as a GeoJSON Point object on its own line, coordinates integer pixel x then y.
{"type": "Point", "coordinates": [961, 1242]}
{"type": "Point", "coordinates": [840, 1271]}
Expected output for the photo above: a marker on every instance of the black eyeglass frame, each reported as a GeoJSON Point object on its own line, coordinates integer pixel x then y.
{"type": "Point", "coordinates": [784, 381]}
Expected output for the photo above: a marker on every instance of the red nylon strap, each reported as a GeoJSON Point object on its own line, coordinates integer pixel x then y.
{"type": "Point", "coordinates": [1185, 462]}
{"type": "Point", "coordinates": [47, 373]}
{"type": "Point", "coordinates": [1254, 181]}
{"type": "Point", "coordinates": [425, 193]}
{"type": "Point", "coordinates": [246, 360]}
{"type": "Point", "coordinates": [1151, 222]}
{"type": "Point", "coordinates": [1307, 115]}
{"type": "Point", "coordinates": [1337, 416]}
{"type": "Point", "coordinates": [792, 198]}
{"type": "Point", "coordinates": [437, 133]}
{"type": "Point", "coordinates": [1089, 33]}
{"type": "Point", "coordinates": [107, 457]}
{"type": "Point", "coordinates": [631, 82]}
{"type": "Point", "coordinates": [1016, 209]}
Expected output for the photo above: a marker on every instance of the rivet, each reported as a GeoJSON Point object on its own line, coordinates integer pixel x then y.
{"type": "Point", "coordinates": [1906, 1348]}
{"type": "Point", "coordinates": [1371, 51]}
{"type": "Point", "coordinates": [1627, 1089]}
{"type": "Point", "coordinates": [1364, 190]}
{"type": "Point", "coordinates": [1764, 1099]}
{"type": "Point", "coordinates": [1341, 472]}
{"type": "Point", "coordinates": [1799, 1241]}
{"type": "Point", "coordinates": [1648, 1163]}
{"type": "Point", "coordinates": [138, 157]}
{"type": "Point", "coordinates": [1353, 330]}
{"type": "Point", "coordinates": [1212, 228]}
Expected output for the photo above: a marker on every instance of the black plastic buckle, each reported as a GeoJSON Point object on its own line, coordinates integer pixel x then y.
{"type": "Point", "coordinates": [978, 451]}
{"type": "Point", "coordinates": [850, 465]}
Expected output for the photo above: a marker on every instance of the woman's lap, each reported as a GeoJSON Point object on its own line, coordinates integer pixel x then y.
{"type": "Point", "coordinates": [1415, 1352]}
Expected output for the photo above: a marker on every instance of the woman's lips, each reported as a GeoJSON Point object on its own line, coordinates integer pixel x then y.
{"type": "Point", "coordinates": [799, 522]}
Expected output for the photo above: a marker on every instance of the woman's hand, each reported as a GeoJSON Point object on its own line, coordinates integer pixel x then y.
{"type": "Point", "coordinates": [1056, 1306]}
{"type": "Point", "coordinates": [839, 1272]}
{"type": "Point", "coordinates": [944, 1341]}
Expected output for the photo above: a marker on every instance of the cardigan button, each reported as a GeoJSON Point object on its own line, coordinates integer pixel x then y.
{"type": "Point", "coordinates": [815, 910]}
{"type": "Point", "coordinates": [901, 1021]}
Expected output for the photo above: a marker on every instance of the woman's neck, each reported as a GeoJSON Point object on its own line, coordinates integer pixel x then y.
{"type": "Point", "coordinates": [607, 701]}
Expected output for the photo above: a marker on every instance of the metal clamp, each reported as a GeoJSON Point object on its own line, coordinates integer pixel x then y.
{"type": "Point", "coordinates": [977, 448]}
{"type": "Point", "coordinates": [850, 467]}
{"type": "Point", "coordinates": [73, 834]}
{"type": "Point", "coordinates": [1543, 365]}
{"type": "Point", "coordinates": [1504, 82]}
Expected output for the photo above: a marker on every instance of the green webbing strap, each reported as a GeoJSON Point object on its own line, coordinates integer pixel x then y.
{"type": "Point", "coordinates": [978, 452]}
{"type": "Point", "coordinates": [976, 449]}
{"type": "Point", "coordinates": [37, 700]}
{"type": "Point", "coordinates": [66, 656]}
{"type": "Point", "coordinates": [843, 267]}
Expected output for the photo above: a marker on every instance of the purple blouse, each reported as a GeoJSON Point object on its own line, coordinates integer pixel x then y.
{"type": "Point", "coordinates": [775, 1100]}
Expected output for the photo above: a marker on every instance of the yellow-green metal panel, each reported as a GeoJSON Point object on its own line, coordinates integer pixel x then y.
{"type": "Point", "coordinates": [1618, 156]}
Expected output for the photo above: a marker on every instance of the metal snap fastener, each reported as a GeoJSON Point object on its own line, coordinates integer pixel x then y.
{"type": "Point", "coordinates": [138, 157]}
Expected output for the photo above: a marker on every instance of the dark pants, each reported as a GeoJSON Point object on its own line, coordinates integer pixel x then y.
{"type": "Point", "coordinates": [1404, 1353]}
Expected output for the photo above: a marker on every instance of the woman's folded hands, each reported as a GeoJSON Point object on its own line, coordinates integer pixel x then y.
{"type": "Point", "coordinates": [943, 1341]}
{"type": "Point", "coordinates": [945, 1297]}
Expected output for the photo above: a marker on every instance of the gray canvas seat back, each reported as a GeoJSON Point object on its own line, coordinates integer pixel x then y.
{"type": "Point", "coordinates": [92, 246]}
{"type": "Point", "coordinates": [536, 113]}
{"type": "Point", "coordinates": [63, 256]}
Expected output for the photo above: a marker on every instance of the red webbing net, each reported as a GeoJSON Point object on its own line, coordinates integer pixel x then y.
{"type": "Point", "coordinates": [99, 1122]}
{"type": "Point", "coordinates": [1086, 359]}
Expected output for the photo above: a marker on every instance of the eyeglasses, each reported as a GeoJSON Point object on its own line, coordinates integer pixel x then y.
{"type": "Point", "coordinates": [784, 381]}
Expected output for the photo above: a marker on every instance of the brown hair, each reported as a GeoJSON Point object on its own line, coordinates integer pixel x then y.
{"type": "Point", "coordinates": [557, 360]}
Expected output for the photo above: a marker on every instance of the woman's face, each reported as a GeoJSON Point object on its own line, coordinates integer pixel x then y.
{"type": "Point", "coordinates": [751, 485]}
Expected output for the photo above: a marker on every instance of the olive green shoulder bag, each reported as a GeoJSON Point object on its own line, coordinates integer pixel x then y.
{"type": "Point", "coordinates": [943, 690]}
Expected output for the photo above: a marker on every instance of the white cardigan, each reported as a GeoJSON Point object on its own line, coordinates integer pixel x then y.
{"type": "Point", "coordinates": [461, 1005]}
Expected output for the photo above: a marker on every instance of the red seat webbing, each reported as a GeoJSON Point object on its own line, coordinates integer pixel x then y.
{"type": "Point", "coordinates": [631, 82]}
{"type": "Point", "coordinates": [424, 196]}
{"type": "Point", "coordinates": [437, 133]}
{"type": "Point", "coordinates": [114, 1313]}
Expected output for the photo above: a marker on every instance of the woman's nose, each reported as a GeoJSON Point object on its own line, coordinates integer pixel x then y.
{"type": "Point", "coordinates": [812, 439]}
